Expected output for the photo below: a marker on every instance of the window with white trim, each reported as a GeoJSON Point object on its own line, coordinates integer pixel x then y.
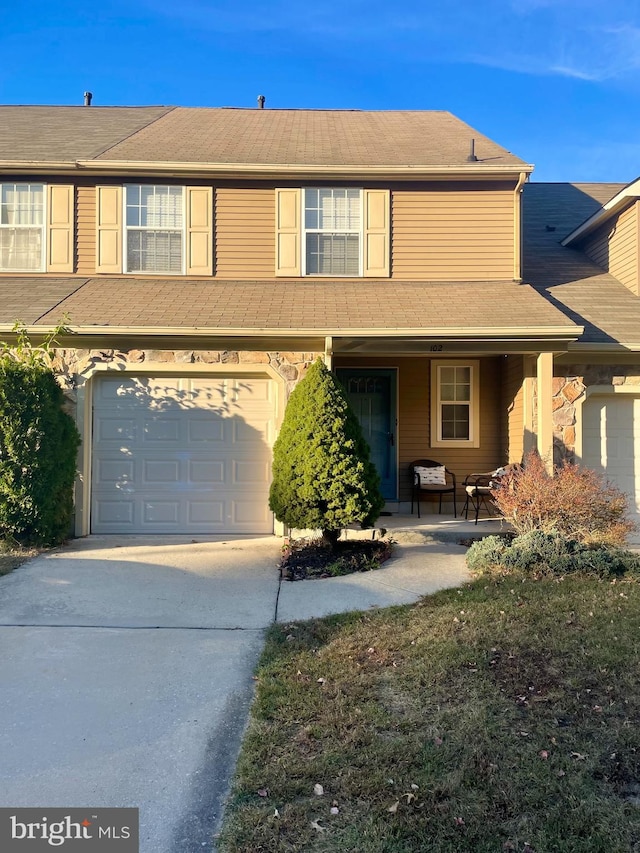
{"type": "Point", "coordinates": [154, 229]}
{"type": "Point", "coordinates": [455, 404]}
{"type": "Point", "coordinates": [332, 242]}
{"type": "Point", "coordinates": [22, 227]}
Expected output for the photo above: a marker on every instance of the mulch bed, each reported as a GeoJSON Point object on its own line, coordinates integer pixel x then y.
{"type": "Point", "coordinates": [309, 559]}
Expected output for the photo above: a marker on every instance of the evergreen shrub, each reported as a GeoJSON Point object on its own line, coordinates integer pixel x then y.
{"type": "Point", "coordinates": [38, 447]}
{"type": "Point", "coordinates": [323, 476]}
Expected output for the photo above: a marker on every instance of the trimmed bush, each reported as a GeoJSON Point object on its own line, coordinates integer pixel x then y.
{"type": "Point", "coordinates": [574, 501]}
{"type": "Point", "coordinates": [323, 476]}
{"type": "Point", "coordinates": [38, 446]}
{"type": "Point", "coordinates": [486, 554]}
{"type": "Point", "coordinates": [538, 553]}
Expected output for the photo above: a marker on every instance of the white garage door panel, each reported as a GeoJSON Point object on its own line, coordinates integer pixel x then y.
{"type": "Point", "coordinates": [611, 442]}
{"type": "Point", "coordinates": [178, 455]}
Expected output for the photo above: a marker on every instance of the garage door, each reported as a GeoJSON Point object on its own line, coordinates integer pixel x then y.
{"type": "Point", "coordinates": [611, 442]}
{"type": "Point", "coordinates": [182, 455]}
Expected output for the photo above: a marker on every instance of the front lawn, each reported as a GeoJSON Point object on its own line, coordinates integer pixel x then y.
{"type": "Point", "coordinates": [499, 717]}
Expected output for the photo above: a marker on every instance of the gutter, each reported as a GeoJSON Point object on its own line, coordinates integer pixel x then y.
{"type": "Point", "coordinates": [120, 167]}
{"type": "Point", "coordinates": [517, 227]}
{"type": "Point", "coordinates": [545, 332]}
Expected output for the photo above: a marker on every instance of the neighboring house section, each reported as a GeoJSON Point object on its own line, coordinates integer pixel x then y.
{"type": "Point", "coordinates": [610, 236]}
{"type": "Point", "coordinates": [205, 257]}
{"type": "Point", "coordinates": [614, 247]}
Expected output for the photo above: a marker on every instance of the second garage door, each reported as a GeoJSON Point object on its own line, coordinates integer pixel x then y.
{"type": "Point", "coordinates": [611, 442]}
{"type": "Point", "coordinates": [182, 455]}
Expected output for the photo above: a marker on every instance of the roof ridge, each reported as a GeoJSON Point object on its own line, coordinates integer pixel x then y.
{"type": "Point", "coordinates": [133, 133]}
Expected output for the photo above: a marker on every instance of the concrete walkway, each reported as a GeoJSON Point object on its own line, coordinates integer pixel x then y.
{"type": "Point", "coordinates": [127, 662]}
{"type": "Point", "coordinates": [416, 568]}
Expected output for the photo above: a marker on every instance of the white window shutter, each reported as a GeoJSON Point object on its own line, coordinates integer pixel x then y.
{"type": "Point", "coordinates": [109, 229]}
{"type": "Point", "coordinates": [60, 230]}
{"type": "Point", "coordinates": [288, 232]}
{"type": "Point", "coordinates": [199, 231]}
{"type": "Point", "coordinates": [377, 232]}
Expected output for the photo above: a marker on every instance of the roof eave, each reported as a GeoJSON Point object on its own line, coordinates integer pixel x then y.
{"type": "Point", "coordinates": [605, 347]}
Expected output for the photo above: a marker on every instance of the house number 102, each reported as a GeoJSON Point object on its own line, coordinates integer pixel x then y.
{"type": "Point", "coordinates": [435, 348]}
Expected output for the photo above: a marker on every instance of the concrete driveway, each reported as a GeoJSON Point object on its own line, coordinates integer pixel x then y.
{"type": "Point", "coordinates": [125, 677]}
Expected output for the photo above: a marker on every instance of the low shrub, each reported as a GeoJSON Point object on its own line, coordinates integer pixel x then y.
{"type": "Point", "coordinates": [538, 553]}
{"type": "Point", "coordinates": [573, 501]}
{"type": "Point", "coordinates": [486, 554]}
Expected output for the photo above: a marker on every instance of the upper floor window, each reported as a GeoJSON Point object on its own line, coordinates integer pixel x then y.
{"type": "Point", "coordinates": [455, 404]}
{"type": "Point", "coordinates": [333, 232]}
{"type": "Point", "coordinates": [155, 229]}
{"type": "Point", "coordinates": [22, 227]}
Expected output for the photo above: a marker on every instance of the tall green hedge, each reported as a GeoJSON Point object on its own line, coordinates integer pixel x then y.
{"type": "Point", "coordinates": [38, 447]}
{"type": "Point", "coordinates": [323, 476]}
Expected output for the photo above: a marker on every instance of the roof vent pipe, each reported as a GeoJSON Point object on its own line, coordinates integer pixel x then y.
{"type": "Point", "coordinates": [472, 152]}
{"type": "Point", "coordinates": [87, 98]}
{"type": "Point", "coordinates": [261, 100]}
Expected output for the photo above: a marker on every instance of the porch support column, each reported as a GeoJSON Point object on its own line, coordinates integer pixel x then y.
{"type": "Point", "coordinates": [544, 374]}
{"type": "Point", "coordinates": [328, 351]}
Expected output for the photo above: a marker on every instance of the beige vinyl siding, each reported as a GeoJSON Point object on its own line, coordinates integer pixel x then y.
{"type": "Point", "coordinates": [414, 416]}
{"type": "Point", "coordinates": [513, 408]}
{"type": "Point", "coordinates": [439, 230]}
{"type": "Point", "coordinates": [447, 232]}
{"type": "Point", "coordinates": [614, 247]}
{"type": "Point", "coordinates": [86, 230]}
{"type": "Point", "coordinates": [244, 233]}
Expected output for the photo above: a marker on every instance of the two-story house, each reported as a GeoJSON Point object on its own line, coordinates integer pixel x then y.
{"type": "Point", "coordinates": [204, 257]}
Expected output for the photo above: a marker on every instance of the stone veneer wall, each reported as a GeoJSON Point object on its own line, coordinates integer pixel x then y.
{"type": "Point", "coordinates": [569, 388]}
{"type": "Point", "coordinates": [73, 366]}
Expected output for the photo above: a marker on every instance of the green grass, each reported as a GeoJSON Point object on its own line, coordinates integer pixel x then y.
{"type": "Point", "coordinates": [499, 717]}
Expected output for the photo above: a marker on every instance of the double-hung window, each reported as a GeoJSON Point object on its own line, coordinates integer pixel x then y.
{"type": "Point", "coordinates": [22, 227]}
{"type": "Point", "coordinates": [332, 232]}
{"type": "Point", "coordinates": [454, 404]}
{"type": "Point", "coordinates": [155, 229]}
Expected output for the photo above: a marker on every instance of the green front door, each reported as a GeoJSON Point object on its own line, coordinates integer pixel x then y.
{"type": "Point", "coordinates": [372, 395]}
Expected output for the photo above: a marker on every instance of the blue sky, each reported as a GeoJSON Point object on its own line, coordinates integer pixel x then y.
{"type": "Point", "coordinates": [555, 81]}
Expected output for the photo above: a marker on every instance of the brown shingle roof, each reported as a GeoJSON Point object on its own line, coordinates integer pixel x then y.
{"type": "Point", "coordinates": [241, 136]}
{"type": "Point", "coordinates": [62, 134]}
{"type": "Point", "coordinates": [566, 277]}
{"type": "Point", "coordinates": [309, 137]}
{"type": "Point", "coordinates": [326, 305]}
{"type": "Point", "coordinates": [24, 299]}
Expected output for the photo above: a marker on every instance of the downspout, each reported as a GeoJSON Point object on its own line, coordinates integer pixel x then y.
{"type": "Point", "coordinates": [517, 228]}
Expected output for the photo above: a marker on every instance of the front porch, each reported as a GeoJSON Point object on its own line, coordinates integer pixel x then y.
{"type": "Point", "coordinates": [470, 412]}
{"type": "Point", "coordinates": [431, 527]}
